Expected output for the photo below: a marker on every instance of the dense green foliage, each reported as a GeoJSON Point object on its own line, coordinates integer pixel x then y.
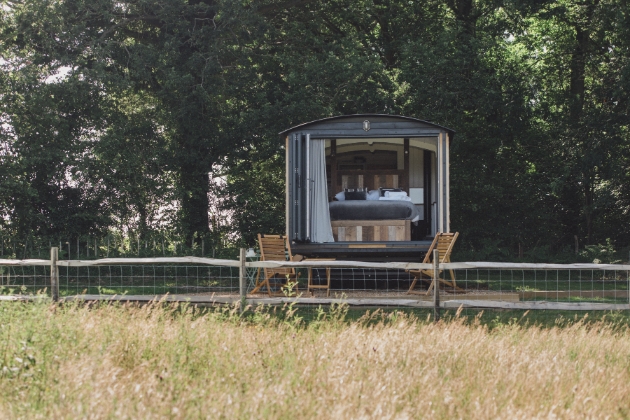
{"type": "Point", "coordinates": [119, 115]}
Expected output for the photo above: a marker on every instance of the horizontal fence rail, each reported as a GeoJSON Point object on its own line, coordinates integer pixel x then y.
{"type": "Point", "coordinates": [489, 285]}
{"type": "Point", "coordinates": [23, 263]}
{"type": "Point", "coordinates": [317, 264]}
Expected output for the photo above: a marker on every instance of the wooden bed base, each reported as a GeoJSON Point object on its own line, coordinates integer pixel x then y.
{"type": "Point", "coordinates": [371, 230]}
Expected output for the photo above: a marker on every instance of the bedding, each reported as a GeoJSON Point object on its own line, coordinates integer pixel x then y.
{"type": "Point", "coordinates": [353, 195]}
{"type": "Point", "coordinates": [383, 191]}
{"type": "Point", "coordinates": [398, 195]}
{"type": "Point", "coordinates": [371, 195]}
{"type": "Point", "coordinates": [373, 210]}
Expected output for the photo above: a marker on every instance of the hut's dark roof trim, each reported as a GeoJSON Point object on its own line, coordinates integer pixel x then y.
{"type": "Point", "coordinates": [341, 117]}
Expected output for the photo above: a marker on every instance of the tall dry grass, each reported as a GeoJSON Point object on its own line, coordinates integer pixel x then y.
{"type": "Point", "coordinates": [155, 361]}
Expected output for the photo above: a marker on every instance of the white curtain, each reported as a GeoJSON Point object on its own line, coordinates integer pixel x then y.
{"type": "Point", "coordinates": [321, 230]}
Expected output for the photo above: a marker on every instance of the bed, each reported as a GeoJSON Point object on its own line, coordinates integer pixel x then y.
{"type": "Point", "coordinates": [373, 210]}
{"type": "Point", "coordinates": [372, 220]}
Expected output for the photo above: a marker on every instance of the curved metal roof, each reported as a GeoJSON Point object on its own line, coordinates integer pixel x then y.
{"type": "Point", "coordinates": [390, 118]}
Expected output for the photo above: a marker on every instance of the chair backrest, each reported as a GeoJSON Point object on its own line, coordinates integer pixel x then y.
{"type": "Point", "coordinates": [443, 242]}
{"type": "Point", "coordinates": [272, 247]}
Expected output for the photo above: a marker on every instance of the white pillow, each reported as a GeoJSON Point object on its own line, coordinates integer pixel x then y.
{"type": "Point", "coordinates": [396, 194]}
{"type": "Point", "coordinates": [373, 195]}
{"type": "Point", "coordinates": [341, 196]}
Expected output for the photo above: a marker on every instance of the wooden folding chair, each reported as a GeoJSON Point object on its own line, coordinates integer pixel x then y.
{"type": "Point", "coordinates": [443, 242]}
{"type": "Point", "coordinates": [273, 248]}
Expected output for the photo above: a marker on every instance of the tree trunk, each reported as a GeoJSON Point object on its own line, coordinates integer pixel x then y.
{"type": "Point", "coordinates": [142, 216]}
{"type": "Point", "coordinates": [588, 208]}
{"type": "Point", "coordinates": [466, 15]}
{"type": "Point", "coordinates": [194, 203]}
{"type": "Point", "coordinates": [577, 90]}
{"type": "Point", "coordinates": [578, 64]}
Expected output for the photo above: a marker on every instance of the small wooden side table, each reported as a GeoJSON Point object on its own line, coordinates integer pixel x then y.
{"type": "Point", "coordinates": [310, 284]}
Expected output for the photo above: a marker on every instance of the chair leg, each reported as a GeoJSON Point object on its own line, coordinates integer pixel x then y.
{"type": "Point", "coordinates": [436, 284]}
{"type": "Point", "coordinates": [413, 284]}
{"type": "Point", "coordinates": [278, 285]}
{"type": "Point", "coordinates": [328, 282]}
{"type": "Point", "coordinates": [309, 280]}
{"type": "Point", "coordinates": [411, 290]}
{"type": "Point", "coordinates": [258, 285]}
{"type": "Point", "coordinates": [257, 288]}
{"type": "Point", "coordinates": [453, 282]}
{"type": "Point", "coordinates": [310, 287]}
{"type": "Point", "coordinates": [446, 282]}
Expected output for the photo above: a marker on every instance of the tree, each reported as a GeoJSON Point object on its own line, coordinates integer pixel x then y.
{"type": "Point", "coordinates": [581, 56]}
{"type": "Point", "coordinates": [183, 59]}
{"type": "Point", "coordinates": [119, 113]}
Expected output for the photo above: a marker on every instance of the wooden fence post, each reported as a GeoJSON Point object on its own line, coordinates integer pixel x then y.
{"type": "Point", "coordinates": [436, 285]}
{"type": "Point", "coordinates": [242, 277]}
{"type": "Point", "coordinates": [54, 274]}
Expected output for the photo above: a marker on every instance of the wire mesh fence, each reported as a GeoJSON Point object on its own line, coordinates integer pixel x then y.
{"type": "Point", "coordinates": [564, 284]}
{"type": "Point", "coordinates": [559, 284]}
{"type": "Point", "coordinates": [358, 283]}
{"type": "Point", "coordinates": [150, 244]}
{"type": "Point", "coordinates": [148, 279]}
{"type": "Point", "coordinates": [24, 279]}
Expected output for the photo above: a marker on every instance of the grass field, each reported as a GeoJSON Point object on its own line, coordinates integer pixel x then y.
{"type": "Point", "coordinates": [112, 361]}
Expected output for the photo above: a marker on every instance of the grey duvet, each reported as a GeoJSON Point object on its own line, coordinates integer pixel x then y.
{"type": "Point", "coordinates": [373, 210]}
